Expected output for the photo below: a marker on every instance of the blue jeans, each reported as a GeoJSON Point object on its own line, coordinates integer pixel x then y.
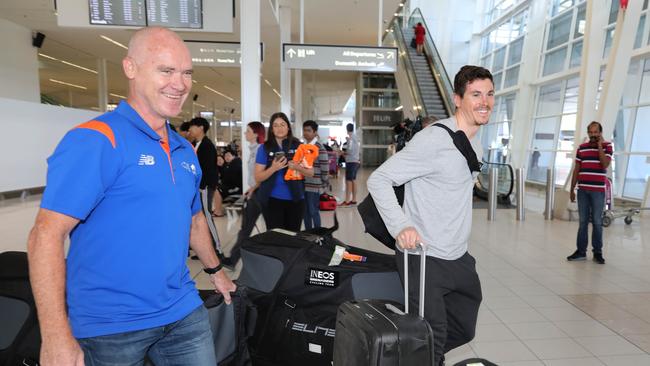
{"type": "Point", "coordinates": [187, 342]}
{"type": "Point", "coordinates": [590, 204]}
{"type": "Point", "coordinates": [312, 210]}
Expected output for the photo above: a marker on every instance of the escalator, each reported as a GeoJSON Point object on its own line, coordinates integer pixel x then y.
{"type": "Point", "coordinates": [505, 182]}
{"type": "Point", "coordinates": [422, 80]}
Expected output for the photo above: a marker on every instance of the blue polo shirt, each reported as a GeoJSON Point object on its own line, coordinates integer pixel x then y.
{"type": "Point", "coordinates": [135, 196]}
{"type": "Point", "coordinates": [280, 188]}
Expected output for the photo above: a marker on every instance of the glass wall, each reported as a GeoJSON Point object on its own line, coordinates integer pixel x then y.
{"type": "Point", "coordinates": [496, 8]}
{"type": "Point", "coordinates": [554, 130]}
{"type": "Point", "coordinates": [564, 36]}
{"type": "Point", "coordinates": [632, 131]}
{"type": "Point", "coordinates": [496, 136]}
{"type": "Point", "coordinates": [501, 50]}
{"type": "Point", "coordinates": [553, 113]}
{"type": "Point", "coordinates": [641, 38]}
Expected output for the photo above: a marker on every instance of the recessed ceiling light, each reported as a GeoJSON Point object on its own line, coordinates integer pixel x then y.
{"type": "Point", "coordinates": [79, 67]}
{"type": "Point", "coordinates": [67, 63]}
{"type": "Point", "coordinates": [117, 95]}
{"type": "Point", "coordinates": [46, 56]}
{"type": "Point", "coordinates": [113, 42]}
{"type": "Point", "coordinates": [219, 93]}
{"type": "Point", "coordinates": [68, 84]}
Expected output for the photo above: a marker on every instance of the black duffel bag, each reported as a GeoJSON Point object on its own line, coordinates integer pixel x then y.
{"type": "Point", "coordinates": [20, 337]}
{"type": "Point", "coordinates": [297, 293]}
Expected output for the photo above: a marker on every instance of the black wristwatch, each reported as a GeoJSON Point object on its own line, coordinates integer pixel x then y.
{"type": "Point", "coordinates": [213, 270]}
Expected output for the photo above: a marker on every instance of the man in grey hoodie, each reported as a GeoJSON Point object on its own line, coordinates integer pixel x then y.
{"type": "Point", "coordinates": [438, 213]}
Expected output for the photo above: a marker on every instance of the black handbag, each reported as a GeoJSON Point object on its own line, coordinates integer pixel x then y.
{"type": "Point", "coordinates": [370, 216]}
{"type": "Point", "coordinates": [413, 44]}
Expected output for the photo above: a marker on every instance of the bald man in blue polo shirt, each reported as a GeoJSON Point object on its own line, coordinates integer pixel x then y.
{"type": "Point", "coordinates": [124, 187]}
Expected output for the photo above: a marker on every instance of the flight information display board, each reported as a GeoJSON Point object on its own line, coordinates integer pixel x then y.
{"type": "Point", "coordinates": [174, 13]}
{"type": "Point", "coordinates": [118, 12]}
{"type": "Point", "coordinates": [141, 13]}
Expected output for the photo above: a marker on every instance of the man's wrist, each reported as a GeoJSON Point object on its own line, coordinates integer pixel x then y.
{"type": "Point", "coordinates": [213, 270]}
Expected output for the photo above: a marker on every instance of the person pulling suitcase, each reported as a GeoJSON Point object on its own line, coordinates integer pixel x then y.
{"type": "Point", "coordinates": [438, 210]}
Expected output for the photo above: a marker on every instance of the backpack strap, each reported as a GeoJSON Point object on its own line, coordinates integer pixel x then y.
{"type": "Point", "coordinates": [464, 147]}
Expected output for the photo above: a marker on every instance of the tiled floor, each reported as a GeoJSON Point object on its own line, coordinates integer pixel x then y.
{"type": "Point", "coordinates": [538, 309]}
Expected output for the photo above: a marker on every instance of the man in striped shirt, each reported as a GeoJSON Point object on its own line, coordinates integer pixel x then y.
{"type": "Point", "coordinates": [590, 174]}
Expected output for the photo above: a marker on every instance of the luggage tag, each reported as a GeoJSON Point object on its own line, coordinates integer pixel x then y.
{"type": "Point", "coordinates": [340, 254]}
{"type": "Point", "coordinates": [337, 256]}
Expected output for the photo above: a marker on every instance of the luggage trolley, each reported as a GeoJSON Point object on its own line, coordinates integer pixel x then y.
{"type": "Point", "coordinates": [610, 214]}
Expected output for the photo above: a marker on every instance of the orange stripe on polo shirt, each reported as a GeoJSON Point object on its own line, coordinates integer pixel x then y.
{"type": "Point", "coordinates": [165, 146]}
{"type": "Point", "coordinates": [100, 127]}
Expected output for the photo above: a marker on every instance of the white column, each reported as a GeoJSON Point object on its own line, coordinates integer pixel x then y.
{"type": "Point", "coordinates": [285, 74]}
{"type": "Point", "coordinates": [523, 123]}
{"type": "Point", "coordinates": [18, 64]}
{"type": "Point", "coordinates": [618, 64]}
{"type": "Point", "coordinates": [592, 51]}
{"type": "Point", "coordinates": [250, 72]}
{"type": "Point", "coordinates": [102, 84]}
{"type": "Point", "coordinates": [297, 76]}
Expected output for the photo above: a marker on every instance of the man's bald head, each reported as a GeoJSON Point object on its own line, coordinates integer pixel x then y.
{"type": "Point", "coordinates": [159, 68]}
{"type": "Point", "coordinates": [147, 40]}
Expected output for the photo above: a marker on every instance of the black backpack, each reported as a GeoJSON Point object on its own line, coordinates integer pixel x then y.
{"type": "Point", "coordinates": [368, 210]}
{"type": "Point", "coordinates": [20, 338]}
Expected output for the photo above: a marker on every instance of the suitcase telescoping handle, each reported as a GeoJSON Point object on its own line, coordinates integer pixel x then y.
{"type": "Point", "coordinates": [423, 261]}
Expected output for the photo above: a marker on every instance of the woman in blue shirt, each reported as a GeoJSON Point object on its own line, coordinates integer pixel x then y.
{"type": "Point", "coordinates": [282, 200]}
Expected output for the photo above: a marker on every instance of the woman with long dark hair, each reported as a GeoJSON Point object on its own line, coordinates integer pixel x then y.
{"type": "Point", "coordinates": [255, 134]}
{"type": "Point", "coordinates": [282, 200]}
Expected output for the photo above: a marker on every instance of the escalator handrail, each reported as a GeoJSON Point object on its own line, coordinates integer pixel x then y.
{"type": "Point", "coordinates": [439, 70]}
{"type": "Point", "coordinates": [486, 165]}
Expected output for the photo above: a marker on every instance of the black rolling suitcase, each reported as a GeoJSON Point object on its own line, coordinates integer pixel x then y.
{"type": "Point", "coordinates": [231, 325]}
{"type": "Point", "coordinates": [376, 332]}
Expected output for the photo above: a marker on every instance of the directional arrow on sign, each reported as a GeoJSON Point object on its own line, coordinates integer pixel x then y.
{"type": "Point", "coordinates": [390, 55]}
{"type": "Point", "coordinates": [291, 52]}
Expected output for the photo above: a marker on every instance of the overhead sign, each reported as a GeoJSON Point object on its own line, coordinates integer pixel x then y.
{"type": "Point", "coordinates": [344, 58]}
{"type": "Point", "coordinates": [226, 54]}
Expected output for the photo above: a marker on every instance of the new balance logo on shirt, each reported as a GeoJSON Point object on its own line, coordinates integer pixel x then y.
{"type": "Point", "coordinates": [146, 160]}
